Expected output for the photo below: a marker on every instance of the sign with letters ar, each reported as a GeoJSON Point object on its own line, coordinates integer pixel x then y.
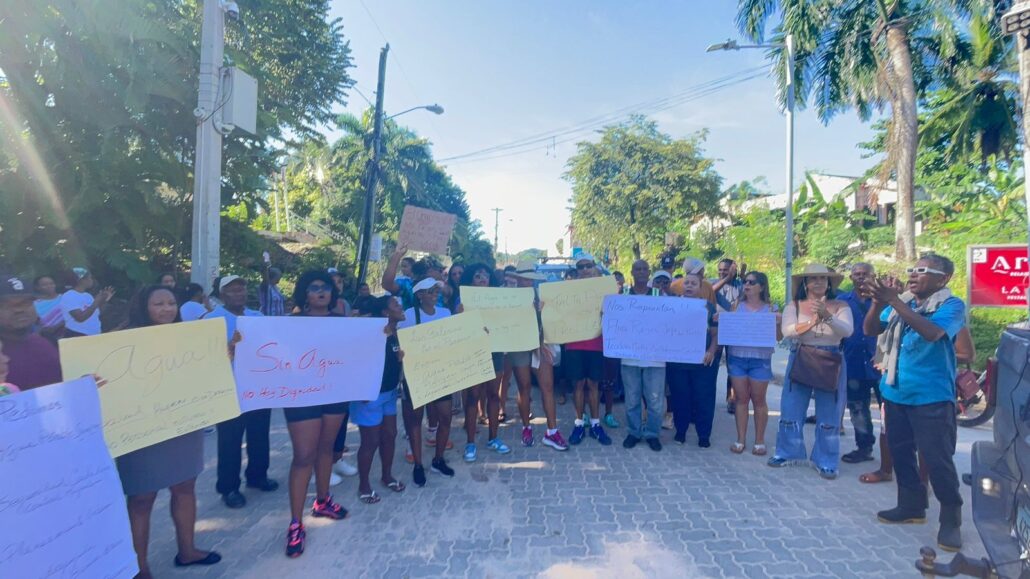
{"type": "Point", "coordinates": [425, 230]}
{"type": "Point", "coordinates": [572, 309]}
{"type": "Point", "coordinates": [61, 501]}
{"type": "Point", "coordinates": [162, 381]}
{"type": "Point", "coordinates": [509, 315]}
{"type": "Point", "coordinates": [290, 362]}
{"type": "Point", "coordinates": [655, 329]}
{"type": "Point", "coordinates": [445, 356]}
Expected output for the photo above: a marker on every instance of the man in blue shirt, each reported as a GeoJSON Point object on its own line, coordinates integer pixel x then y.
{"type": "Point", "coordinates": [863, 377]}
{"type": "Point", "coordinates": [255, 424]}
{"type": "Point", "coordinates": [917, 336]}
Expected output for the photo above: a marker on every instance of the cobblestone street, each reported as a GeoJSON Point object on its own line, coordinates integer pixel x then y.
{"type": "Point", "coordinates": [590, 512]}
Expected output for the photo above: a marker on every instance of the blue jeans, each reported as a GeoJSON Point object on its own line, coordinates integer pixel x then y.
{"type": "Point", "coordinates": [829, 409]}
{"type": "Point", "coordinates": [644, 385]}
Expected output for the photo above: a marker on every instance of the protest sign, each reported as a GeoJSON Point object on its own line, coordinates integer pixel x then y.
{"type": "Point", "coordinates": [445, 356]}
{"type": "Point", "coordinates": [289, 362]}
{"type": "Point", "coordinates": [655, 329]}
{"type": "Point", "coordinates": [162, 381]}
{"type": "Point", "coordinates": [572, 309]}
{"type": "Point", "coordinates": [425, 230]}
{"type": "Point", "coordinates": [509, 315]}
{"type": "Point", "coordinates": [61, 500]}
{"type": "Point", "coordinates": [747, 329]}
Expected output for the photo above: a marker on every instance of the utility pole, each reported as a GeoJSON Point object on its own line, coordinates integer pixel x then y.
{"type": "Point", "coordinates": [788, 48]}
{"type": "Point", "coordinates": [497, 215]}
{"type": "Point", "coordinates": [1022, 45]}
{"type": "Point", "coordinates": [207, 164]}
{"type": "Point", "coordinates": [372, 174]}
{"type": "Point", "coordinates": [275, 201]}
{"type": "Point", "coordinates": [286, 199]}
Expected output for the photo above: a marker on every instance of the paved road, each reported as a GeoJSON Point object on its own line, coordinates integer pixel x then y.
{"type": "Point", "coordinates": [590, 512]}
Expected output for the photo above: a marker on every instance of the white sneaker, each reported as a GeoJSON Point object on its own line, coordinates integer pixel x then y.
{"type": "Point", "coordinates": [667, 422]}
{"type": "Point", "coordinates": [334, 479]}
{"type": "Point", "coordinates": [344, 468]}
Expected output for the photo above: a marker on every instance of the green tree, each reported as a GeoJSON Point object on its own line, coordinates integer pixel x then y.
{"type": "Point", "coordinates": [868, 54]}
{"type": "Point", "coordinates": [630, 187]}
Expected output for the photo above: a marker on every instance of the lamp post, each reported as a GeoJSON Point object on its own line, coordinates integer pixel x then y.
{"type": "Point", "coordinates": [1017, 21]}
{"type": "Point", "coordinates": [788, 49]}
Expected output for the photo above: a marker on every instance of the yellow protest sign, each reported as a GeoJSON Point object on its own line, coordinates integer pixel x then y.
{"type": "Point", "coordinates": [162, 381]}
{"type": "Point", "coordinates": [509, 315]}
{"type": "Point", "coordinates": [572, 309]}
{"type": "Point", "coordinates": [445, 356]}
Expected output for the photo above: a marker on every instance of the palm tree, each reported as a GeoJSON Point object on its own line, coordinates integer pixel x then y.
{"type": "Point", "coordinates": [867, 55]}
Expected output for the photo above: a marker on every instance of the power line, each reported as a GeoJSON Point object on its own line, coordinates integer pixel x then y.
{"type": "Point", "coordinates": [358, 90]}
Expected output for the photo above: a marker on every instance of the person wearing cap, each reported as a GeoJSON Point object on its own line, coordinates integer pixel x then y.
{"type": "Point", "coordinates": [32, 360]}
{"type": "Point", "coordinates": [917, 338]}
{"type": "Point", "coordinates": [585, 367]}
{"type": "Point", "coordinates": [695, 266]}
{"type": "Point", "coordinates": [232, 290]}
{"type": "Point", "coordinates": [644, 381]}
{"type": "Point", "coordinates": [660, 281]}
{"type": "Point", "coordinates": [813, 319]}
{"type": "Point", "coordinates": [80, 309]}
{"type": "Point", "coordinates": [522, 366]}
{"type": "Point", "coordinates": [426, 293]}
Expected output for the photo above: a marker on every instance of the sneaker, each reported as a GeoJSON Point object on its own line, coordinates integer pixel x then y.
{"type": "Point", "coordinates": [234, 500]}
{"type": "Point", "coordinates": [776, 462]}
{"type": "Point", "coordinates": [681, 437]}
{"type": "Point", "coordinates": [856, 456]}
{"type": "Point", "coordinates": [344, 468]}
{"type": "Point", "coordinates": [439, 466]}
{"type": "Point", "coordinates": [704, 442]}
{"type": "Point", "coordinates": [470, 452]}
{"type": "Point", "coordinates": [630, 441]}
{"type": "Point", "coordinates": [334, 479]}
{"type": "Point", "coordinates": [497, 446]}
{"type": "Point", "coordinates": [295, 536]}
{"type": "Point", "coordinates": [418, 475]}
{"type": "Point", "coordinates": [597, 431]}
{"type": "Point", "coordinates": [902, 516]}
{"type": "Point", "coordinates": [667, 422]}
{"type": "Point", "coordinates": [578, 433]}
{"type": "Point", "coordinates": [586, 418]}
{"type": "Point", "coordinates": [328, 509]}
{"type": "Point", "coordinates": [655, 444]}
{"type": "Point", "coordinates": [556, 441]}
{"type": "Point", "coordinates": [610, 421]}
{"type": "Point", "coordinates": [828, 473]}
{"type": "Point", "coordinates": [527, 436]}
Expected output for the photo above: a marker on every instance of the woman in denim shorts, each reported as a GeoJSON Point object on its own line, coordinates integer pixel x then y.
{"type": "Point", "coordinates": [751, 368]}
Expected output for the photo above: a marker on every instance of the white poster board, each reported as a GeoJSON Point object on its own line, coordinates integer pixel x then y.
{"type": "Point", "coordinates": [655, 329]}
{"type": "Point", "coordinates": [61, 500]}
{"type": "Point", "coordinates": [747, 329]}
{"type": "Point", "coordinates": [290, 362]}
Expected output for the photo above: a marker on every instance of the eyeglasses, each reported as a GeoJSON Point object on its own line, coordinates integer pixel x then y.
{"type": "Point", "coordinates": [316, 288]}
{"type": "Point", "coordinates": [922, 270]}
{"type": "Point", "coordinates": [751, 282]}
{"type": "Point", "coordinates": [584, 265]}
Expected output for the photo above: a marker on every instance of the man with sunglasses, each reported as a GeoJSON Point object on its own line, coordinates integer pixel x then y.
{"type": "Point", "coordinates": [917, 332]}
{"type": "Point", "coordinates": [585, 361]}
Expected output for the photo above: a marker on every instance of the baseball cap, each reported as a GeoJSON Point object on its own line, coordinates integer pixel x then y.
{"type": "Point", "coordinates": [11, 285]}
{"type": "Point", "coordinates": [693, 265]}
{"type": "Point", "coordinates": [428, 283]}
{"type": "Point", "coordinates": [583, 256]}
{"type": "Point", "coordinates": [80, 272]}
{"type": "Point", "coordinates": [659, 274]}
{"type": "Point", "coordinates": [333, 271]}
{"type": "Point", "coordinates": [668, 262]}
{"type": "Point", "coordinates": [228, 280]}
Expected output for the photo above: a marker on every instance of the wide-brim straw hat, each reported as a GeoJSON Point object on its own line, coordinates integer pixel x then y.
{"type": "Point", "coordinates": [818, 270]}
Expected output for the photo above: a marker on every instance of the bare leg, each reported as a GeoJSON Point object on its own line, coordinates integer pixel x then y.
{"type": "Point", "coordinates": [413, 426]}
{"type": "Point", "coordinates": [140, 507]}
{"type": "Point", "coordinates": [472, 399]}
{"type": "Point", "coordinates": [366, 454]}
{"type": "Point", "coordinates": [579, 398]}
{"type": "Point", "coordinates": [304, 436]}
{"type": "Point", "coordinates": [387, 442]}
{"type": "Point", "coordinates": [741, 397]}
{"type": "Point", "coordinates": [493, 406]}
{"type": "Point", "coordinates": [503, 387]}
{"type": "Point", "coordinates": [595, 399]}
{"type": "Point", "coordinates": [545, 378]}
{"type": "Point", "coordinates": [330, 425]}
{"type": "Point", "coordinates": [524, 380]}
{"type": "Point", "coordinates": [758, 391]}
{"type": "Point", "coordinates": [443, 433]}
{"type": "Point", "coordinates": [184, 516]}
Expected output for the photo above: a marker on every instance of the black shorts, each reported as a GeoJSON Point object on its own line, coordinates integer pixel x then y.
{"type": "Point", "coordinates": [498, 359]}
{"type": "Point", "coordinates": [313, 412]}
{"type": "Point", "coordinates": [406, 396]}
{"type": "Point", "coordinates": [583, 364]}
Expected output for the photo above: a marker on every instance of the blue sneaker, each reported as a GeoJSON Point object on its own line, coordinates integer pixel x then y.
{"type": "Point", "coordinates": [777, 462]}
{"type": "Point", "coordinates": [497, 446]}
{"type": "Point", "coordinates": [470, 452]}
{"type": "Point", "coordinates": [597, 431]}
{"type": "Point", "coordinates": [610, 421]}
{"type": "Point", "coordinates": [577, 435]}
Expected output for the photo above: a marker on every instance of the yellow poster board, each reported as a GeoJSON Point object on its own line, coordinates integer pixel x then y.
{"type": "Point", "coordinates": [509, 315]}
{"type": "Point", "coordinates": [162, 381]}
{"type": "Point", "coordinates": [572, 309]}
{"type": "Point", "coordinates": [445, 356]}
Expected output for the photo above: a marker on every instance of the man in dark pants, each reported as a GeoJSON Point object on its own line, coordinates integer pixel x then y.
{"type": "Point", "coordinates": [255, 424]}
{"type": "Point", "coordinates": [917, 332]}
{"type": "Point", "coordinates": [863, 377]}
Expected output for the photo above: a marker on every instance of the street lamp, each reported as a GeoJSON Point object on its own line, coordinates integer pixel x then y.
{"type": "Point", "coordinates": [1017, 21]}
{"type": "Point", "coordinates": [788, 48]}
{"type": "Point", "coordinates": [433, 108]}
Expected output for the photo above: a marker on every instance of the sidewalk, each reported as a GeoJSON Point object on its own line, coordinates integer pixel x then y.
{"type": "Point", "coordinates": [590, 512]}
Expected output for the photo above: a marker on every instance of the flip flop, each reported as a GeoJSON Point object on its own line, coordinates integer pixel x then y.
{"type": "Point", "coordinates": [759, 450]}
{"type": "Point", "coordinates": [875, 477]}
{"type": "Point", "coordinates": [370, 498]}
{"type": "Point", "coordinates": [396, 486]}
{"type": "Point", "coordinates": [737, 448]}
{"type": "Point", "coordinates": [212, 558]}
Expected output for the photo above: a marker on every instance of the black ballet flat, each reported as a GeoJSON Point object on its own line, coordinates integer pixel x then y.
{"type": "Point", "coordinates": [212, 558]}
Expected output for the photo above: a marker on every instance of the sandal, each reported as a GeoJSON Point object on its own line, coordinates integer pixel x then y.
{"type": "Point", "coordinates": [876, 477]}
{"type": "Point", "coordinates": [370, 498]}
{"type": "Point", "coordinates": [758, 450]}
{"type": "Point", "coordinates": [396, 486]}
{"type": "Point", "coordinates": [737, 448]}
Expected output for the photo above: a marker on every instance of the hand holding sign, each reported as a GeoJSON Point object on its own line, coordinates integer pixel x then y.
{"type": "Point", "coordinates": [425, 230]}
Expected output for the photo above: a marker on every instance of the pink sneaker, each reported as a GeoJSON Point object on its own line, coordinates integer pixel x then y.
{"type": "Point", "coordinates": [556, 441]}
{"type": "Point", "coordinates": [527, 436]}
{"type": "Point", "coordinates": [329, 509]}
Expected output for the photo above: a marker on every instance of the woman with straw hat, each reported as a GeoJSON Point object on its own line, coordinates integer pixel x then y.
{"type": "Point", "coordinates": [817, 323]}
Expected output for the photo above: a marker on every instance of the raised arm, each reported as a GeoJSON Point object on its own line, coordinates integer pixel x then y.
{"type": "Point", "coordinates": [389, 281]}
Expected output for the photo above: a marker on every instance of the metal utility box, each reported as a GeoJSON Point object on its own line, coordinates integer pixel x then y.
{"type": "Point", "coordinates": [240, 109]}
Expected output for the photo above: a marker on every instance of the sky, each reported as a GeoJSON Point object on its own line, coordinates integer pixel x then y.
{"type": "Point", "coordinates": [510, 70]}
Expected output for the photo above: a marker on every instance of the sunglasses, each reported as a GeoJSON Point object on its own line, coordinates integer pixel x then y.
{"type": "Point", "coordinates": [922, 270]}
{"type": "Point", "coordinates": [584, 265]}
{"type": "Point", "coordinates": [317, 288]}
{"type": "Point", "coordinates": [751, 282]}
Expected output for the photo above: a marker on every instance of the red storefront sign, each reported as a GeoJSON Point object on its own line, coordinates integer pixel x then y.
{"type": "Point", "coordinates": [998, 275]}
